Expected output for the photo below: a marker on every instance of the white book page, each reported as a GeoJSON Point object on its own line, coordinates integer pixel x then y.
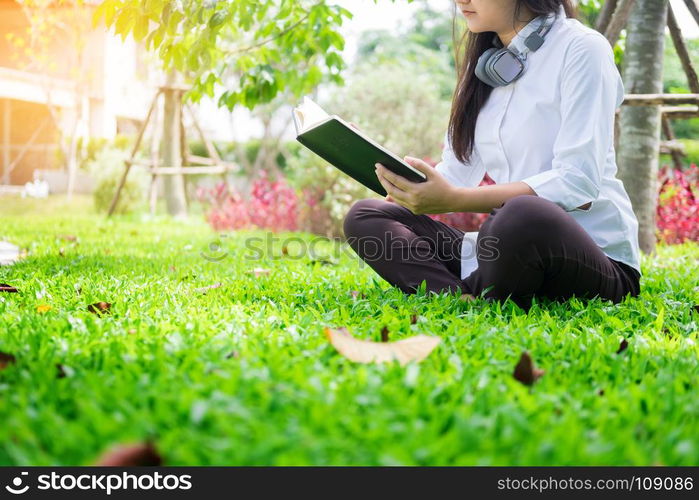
{"type": "Point", "coordinates": [308, 114]}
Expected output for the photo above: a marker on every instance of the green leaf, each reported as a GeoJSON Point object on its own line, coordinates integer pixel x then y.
{"type": "Point", "coordinates": [141, 28]}
{"type": "Point", "coordinates": [124, 22]}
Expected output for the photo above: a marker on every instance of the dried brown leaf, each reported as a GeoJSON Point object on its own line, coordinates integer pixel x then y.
{"type": "Point", "coordinates": [100, 308]}
{"type": "Point", "coordinates": [384, 334]}
{"type": "Point", "coordinates": [525, 372]}
{"type": "Point", "coordinates": [258, 271]}
{"type": "Point", "coordinates": [142, 454]}
{"type": "Point", "coordinates": [6, 359]}
{"type": "Point", "coordinates": [622, 346]}
{"type": "Point", "coordinates": [4, 287]}
{"type": "Point", "coordinates": [205, 289]}
{"type": "Point", "coordinates": [322, 262]}
{"type": "Point", "coordinates": [414, 348]}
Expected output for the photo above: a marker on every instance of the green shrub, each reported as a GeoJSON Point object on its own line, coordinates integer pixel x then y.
{"type": "Point", "coordinates": [107, 168]}
{"type": "Point", "coordinates": [691, 148]}
{"type": "Point", "coordinates": [130, 199]}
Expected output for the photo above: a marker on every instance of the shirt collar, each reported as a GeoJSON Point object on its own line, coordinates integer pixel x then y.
{"type": "Point", "coordinates": [517, 42]}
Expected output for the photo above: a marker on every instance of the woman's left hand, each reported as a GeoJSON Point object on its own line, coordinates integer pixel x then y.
{"type": "Point", "coordinates": [434, 196]}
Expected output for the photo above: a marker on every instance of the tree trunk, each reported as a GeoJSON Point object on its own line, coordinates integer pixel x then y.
{"type": "Point", "coordinates": [639, 137]}
{"type": "Point", "coordinates": [173, 185]}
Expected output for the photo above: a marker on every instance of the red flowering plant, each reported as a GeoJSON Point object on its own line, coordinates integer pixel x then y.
{"type": "Point", "coordinates": [677, 216]}
{"type": "Point", "coordinates": [271, 205]}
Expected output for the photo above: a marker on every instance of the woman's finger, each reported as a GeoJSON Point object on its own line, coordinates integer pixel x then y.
{"type": "Point", "coordinates": [391, 188]}
{"type": "Point", "coordinates": [395, 179]}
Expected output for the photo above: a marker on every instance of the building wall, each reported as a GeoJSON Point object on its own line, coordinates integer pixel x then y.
{"type": "Point", "coordinates": [116, 85]}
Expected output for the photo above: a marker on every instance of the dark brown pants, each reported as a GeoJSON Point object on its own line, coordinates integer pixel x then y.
{"type": "Point", "coordinates": [527, 247]}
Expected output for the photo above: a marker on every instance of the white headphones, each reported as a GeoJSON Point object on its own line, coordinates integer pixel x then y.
{"type": "Point", "coordinates": [499, 66]}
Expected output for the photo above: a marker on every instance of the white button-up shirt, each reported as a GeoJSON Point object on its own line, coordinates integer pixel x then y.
{"type": "Point", "coordinates": [553, 129]}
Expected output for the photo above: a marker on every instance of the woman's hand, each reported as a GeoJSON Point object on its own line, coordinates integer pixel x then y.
{"type": "Point", "coordinates": [434, 196]}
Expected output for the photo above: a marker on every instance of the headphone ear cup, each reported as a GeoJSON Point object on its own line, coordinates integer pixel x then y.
{"type": "Point", "coordinates": [481, 67]}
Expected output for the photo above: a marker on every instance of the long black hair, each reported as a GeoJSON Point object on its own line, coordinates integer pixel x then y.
{"type": "Point", "coordinates": [471, 94]}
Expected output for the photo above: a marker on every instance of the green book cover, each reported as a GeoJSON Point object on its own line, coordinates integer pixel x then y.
{"type": "Point", "coordinates": [347, 148]}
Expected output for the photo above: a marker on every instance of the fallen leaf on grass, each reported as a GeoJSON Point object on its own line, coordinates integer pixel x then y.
{"type": "Point", "coordinates": [99, 307]}
{"type": "Point", "coordinates": [63, 371]}
{"type": "Point", "coordinates": [6, 359]}
{"type": "Point", "coordinates": [413, 319]}
{"type": "Point", "coordinates": [525, 372]}
{"type": "Point", "coordinates": [622, 347]}
{"type": "Point", "coordinates": [4, 287]}
{"type": "Point", "coordinates": [66, 237]}
{"type": "Point", "coordinates": [414, 348]}
{"type": "Point", "coordinates": [355, 294]}
{"type": "Point", "coordinates": [384, 334]}
{"type": "Point", "coordinates": [324, 262]}
{"type": "Point", "coordinates": [42, 308]}
{"type": "Point", "coordinates": [258, 271]}
{"type": "Point", "coordinates": [133, 455]}
{"type": "Point", "coordinates": [696, 308]}
{"type": "Point", "coordinates": [204, 289]}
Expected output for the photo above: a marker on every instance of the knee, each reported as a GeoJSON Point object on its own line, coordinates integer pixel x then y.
{"type": "Point", "coordinates": [360, 212]}
{"type": "Point", "coordinates": [525, 216]}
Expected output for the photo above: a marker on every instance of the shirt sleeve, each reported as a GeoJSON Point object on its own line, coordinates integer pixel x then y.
{"type": "Point", "coordinates": [460, 174]}
{"type": "Point", "coordinates": [591, 90]}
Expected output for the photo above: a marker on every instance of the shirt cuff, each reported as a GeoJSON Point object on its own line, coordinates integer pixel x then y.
{"type": "Point", "coordinates": [554, 186]}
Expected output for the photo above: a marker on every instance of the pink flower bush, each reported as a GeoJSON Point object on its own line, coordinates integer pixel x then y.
{"type": "Point", "coordinates": [271, 205]}
{"type": "Point", "coordinates": [677, 216]}
{"type": "Point", "coordinates": [275, 206]}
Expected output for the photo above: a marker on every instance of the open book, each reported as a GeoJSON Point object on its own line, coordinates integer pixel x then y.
{"type": "Point", "coordinates": [347, 148]}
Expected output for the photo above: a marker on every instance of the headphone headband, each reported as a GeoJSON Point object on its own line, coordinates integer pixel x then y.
{"type": "Point", "coordinates": [499, 66]}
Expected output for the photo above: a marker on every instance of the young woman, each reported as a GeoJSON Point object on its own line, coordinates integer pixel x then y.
{"type": "Point", "coordinates": [534, 108]}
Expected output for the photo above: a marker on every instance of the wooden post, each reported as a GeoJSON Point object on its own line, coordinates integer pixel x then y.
{"type": "Point", "coordinates": [605, 15]}
{"type": "Point", "coordinates": [653, 99]}
{"type": "Point", "coordinates": [681, 48]}
{"type": "Point", "coordinates": [155, 159]}
{"type": "Point", "coordinates": [693, 9]}
{"type": "Point", "coordinates": [619, 20]}
{"type": "Point", "coordinates": [130, 161]}
{"type": "Point", "coordinates": [670, 136]}
{"type": "Point", "coordinates": [171, 148]}
{"type": "Point", "coordinates": [6, 153]}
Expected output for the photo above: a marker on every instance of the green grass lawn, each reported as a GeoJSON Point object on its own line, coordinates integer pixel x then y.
{"type": "Point", "coordinates": [243, 374]}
